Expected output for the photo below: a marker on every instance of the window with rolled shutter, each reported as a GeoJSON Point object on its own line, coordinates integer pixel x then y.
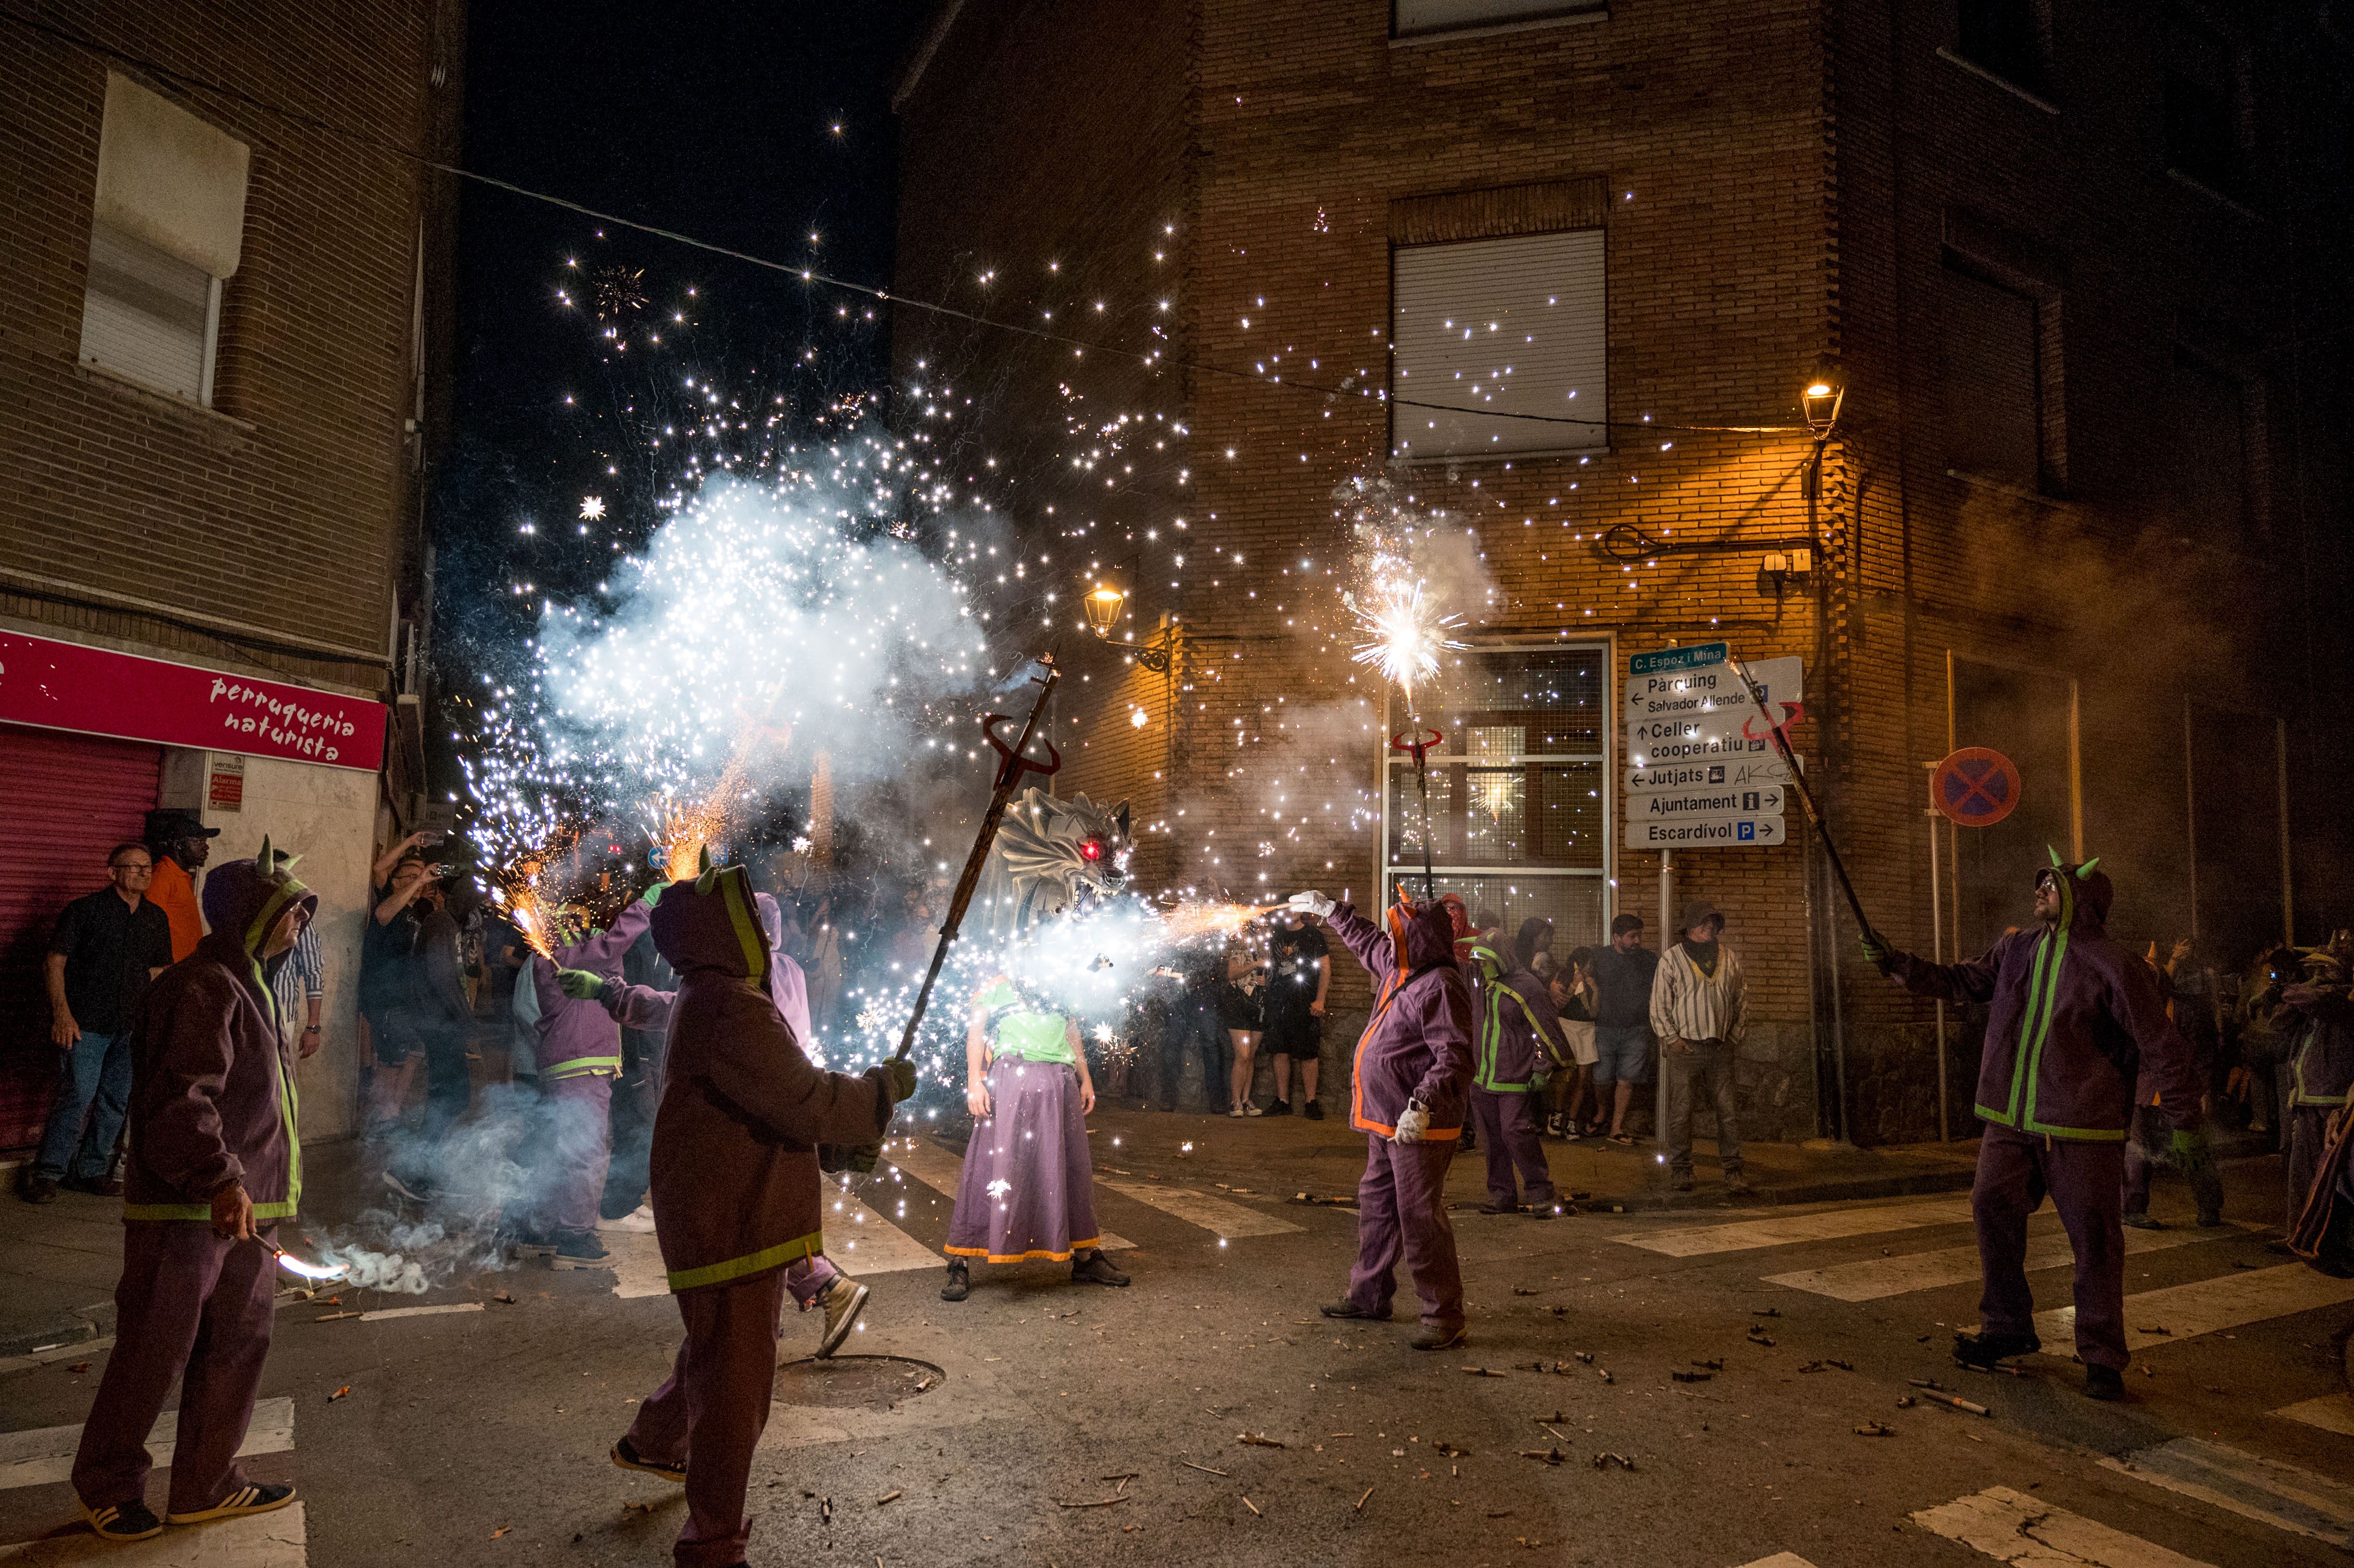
{"type": "Point", "coordinates": [150, 316]}
{"type": "Point", "coordinates": [1408, 17]}
{"type": "Point", "coordinates": [1486, 330]}
{"type": "Point", "coordinates": [1993, 394]}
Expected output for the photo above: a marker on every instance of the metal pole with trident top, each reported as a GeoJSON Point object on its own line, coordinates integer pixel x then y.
{"type": "Point", "coordinates": [1417, 747]}
{"type": "Point", "coordinates": [1010, 773]}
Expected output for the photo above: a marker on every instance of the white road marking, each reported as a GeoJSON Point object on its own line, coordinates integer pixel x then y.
{"type": "Point", "coordinates": [1872, 1279]}
{"type": "Point", "coordinates": [861, 1241]}
{"type": "Point", "coordinates": [2011, 1527]}
{"type": "Point", "coordinates": [1780, 1559]}
{"type": "Point", "coordinates": [2265, 1489]}
{"type": "Point", "coordinates": [45, 1454]}
{"type": "Point", "coordinates": [256, 1541]}
{"type": "Point", "coordinates": [2204, 1306]}
{"type": "Point", "coordinates": [385, 1314]}
{"type": "Point", "coordinates": [1829, 1224]}
{"type": "Point", "coordinates": [2331, 1413]}
{"type": "Point", "coordinates": [1215, 1215]}
{"type": "Point", "coordinates": [637, 1264]}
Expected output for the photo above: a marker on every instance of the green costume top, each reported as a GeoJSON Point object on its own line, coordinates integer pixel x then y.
{"type": "Point", "coordinates": [1021, 1030]}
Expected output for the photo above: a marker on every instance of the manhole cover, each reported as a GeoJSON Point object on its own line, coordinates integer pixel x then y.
{"type": "Point", "coordinates": [856, 1382]}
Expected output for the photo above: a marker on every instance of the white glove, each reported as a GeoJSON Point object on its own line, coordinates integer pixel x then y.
{"type": "Point", "coordinates": [1413, 1122]}
{"type": "Point", "coordinates": [1314, 904]}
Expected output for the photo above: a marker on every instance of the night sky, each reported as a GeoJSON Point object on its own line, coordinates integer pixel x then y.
{"type": "Point", "coordinates": [717, 120]}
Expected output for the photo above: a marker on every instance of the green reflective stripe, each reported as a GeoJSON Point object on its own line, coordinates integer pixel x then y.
{"type": "Point", "coordinates": [1997, 1118]}
{"type": "Point", "coordinates": [2044, 1022]}
{"type": "Point", "coordinates": [2080, 1134]}
{"type": "Point", "coordinates": [2026, 1023]}
{"type": "Point", "coordinates": [579, 1065]}
{"type": "Point", "coordinates": [290, 1105]}
{"type": "Point", "coordinates": [736, 893]}
{"type": "Point", "coordinates": [279, 1210]}
{"type": "Point", "coordinates": [752, 1263]}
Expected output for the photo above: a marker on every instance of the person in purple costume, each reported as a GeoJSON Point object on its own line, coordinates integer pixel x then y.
{"type": "Point", "coordinates": [578, 1049]}
{"type": "Point", "coordinates": [1409, 1082]}
{"type": "Point", "coordinates": [2073, 1017]}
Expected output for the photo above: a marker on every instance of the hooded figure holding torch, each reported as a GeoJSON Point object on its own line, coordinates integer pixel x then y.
{"type": "Point", "coordinates": [1412, 1070]}
{"type": "Point", "coordinates": [2073, 1017]}
{"type": "Point", "coordinates": [736, 1197]}
{"type": "Point", "coordinates": [214, 1164]}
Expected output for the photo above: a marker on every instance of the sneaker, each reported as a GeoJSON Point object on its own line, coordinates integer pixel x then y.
{"type": "Point", "coordinates": [638, 1220]}
{"type": "Point", "coordinates": [2104, 1383]}
{"type": "Point", "coordinates": [133, 1520]}
{"type": "Point", "coordinates": [254, 1496]}
{"type": "Point", "coordinates": [1250, 1109]}
{"type": "Point", "coordinates": [1737, 1184]}
{"type": "Point", "coordinates": [844, 1299]}
{"type": "Point", "coordinates": [527, 1243]}
{"type": "Point", "coordinates": [2144, 1220]}
{"type": "Point", "coordinates": [1313, 1111]}
{"type": "Point", "coordinates": [42, 1189]}
{"type": "Point", "coordinates": [1095, 1268]}
{"type": "Point", "coordinates": [1623, 1140]}
{"type": "Point", "coordinates": [1500, 1208]}
{"type": "Point", "coordinates": [1278, 1108]}
{"type": "Point", "coordinates": [1983, 1349]}
{"type": "Point", "coordinates": [626, 1454]}
{"type": "Point", "coordinates": [1440, 1339]}
{"type": "Point", "coordinates": [1236, 1112]}
{"type": "Point", "coordinates": [1351, 1309]}
{"type": "Point", "coordinates": [579, 1249]}
{"type": "Point", "coordinates": [960, 1284]}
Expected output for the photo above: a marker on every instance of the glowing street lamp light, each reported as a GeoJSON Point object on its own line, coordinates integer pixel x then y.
{"type": "Point", "coordinates": [1103, 607]}
{"type": "Point", "coordinates": [1825, 390]}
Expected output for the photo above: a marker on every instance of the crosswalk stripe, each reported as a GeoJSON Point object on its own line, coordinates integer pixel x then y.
{"type": "Point", "coordinates": [1872, 1279]}
{"type": "Point", "coordinates": [1780, 1559]}
{"type": "Point", "coordinates": [258, 1541]}
{"type": "Point", "coordinates": [383, 1314]}
{"type": "Point", "coordinates": [861, 1241]}
{"type": "Point", "coordinates": [2331, 1413]}
{"type": "Point", "coordinates": [45, 1454]}
{"type": "Point", "coordinates": [2204, 1306]}
{"type": "Point", "coordinates": [2011, 1527]}
{"type": "Point", "coordinates": [2259, 1489]}
{"type": "Point", "coordinates": [1216, 1216]}
{"type": "Point", "coordinates": [1829, 1224]}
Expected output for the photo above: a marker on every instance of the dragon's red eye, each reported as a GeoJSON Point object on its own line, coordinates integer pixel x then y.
{"type": "Point", "coordinates": [1091, 849]}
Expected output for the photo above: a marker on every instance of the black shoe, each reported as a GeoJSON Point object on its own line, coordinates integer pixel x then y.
{"type": "Point", "coordinates": [581, 1249]}
{"type": "Point", "coordinates": [2104, 1383]}
{"type": "Point", "coordinates": [960, 1284]}
{"type": "Point", "coordinates": [1500, 1208]}
{"type": "Point", "coordinates": [1983, 1349]}
{"type": "Point", "coordinates": [1095, 1268]}
{"type": "Point", "coordinates": [96, 1186]}
{"type": "Point", "coordinates": [1313, 1110]}
{"type": "Point", "coordinates": [2144, 1221]}
{"type": "Point", "coordinates": [133, 1520]}
{"type": "Point", "coordinates": [1737, 1184]}
{"type": "Point", "coordinates": [1351, 1309]}
{"type": "Point", "coordinates": [254, 1496]}
{"type": "Point", "coordinates": [43, 1189]}
{"type": "Point", "coordinates": [2209, 1219]}
{"type": "Point", "coordinates": [626, 1454]}
{"type": "Point", "coordinates": [1279, 1107]}
{"type": "Point", "coordinates": [1440, 1339]}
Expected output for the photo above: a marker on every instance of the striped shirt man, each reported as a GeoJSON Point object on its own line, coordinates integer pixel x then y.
{"type": "Point", "coordinates": [301, 980]}
{"type": "Point", "coordinates": [1692, 1002]}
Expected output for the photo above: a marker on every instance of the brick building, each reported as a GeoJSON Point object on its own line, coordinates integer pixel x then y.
{"type": "Point", "coordinates": [222, 363]}
{"type": "Point", "coordinates": [2069, 263]}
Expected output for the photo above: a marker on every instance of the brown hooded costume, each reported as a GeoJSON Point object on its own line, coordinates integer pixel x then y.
{"type": "Point", "coordinates": [735, 1196]}
{"type": "Point", "coordinates": [212, 1103]}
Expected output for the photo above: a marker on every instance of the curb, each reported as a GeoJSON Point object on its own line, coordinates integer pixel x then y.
{"type": "Point", "coordinates": [77, 1327]}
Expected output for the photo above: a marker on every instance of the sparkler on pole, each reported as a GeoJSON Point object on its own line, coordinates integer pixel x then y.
{"type": "Point", "coordinates": [1405, 634]}
{"type": "Point", "coordinates": [1009, 778]}
{"type": "Point", "coordinates": [1806, 800]}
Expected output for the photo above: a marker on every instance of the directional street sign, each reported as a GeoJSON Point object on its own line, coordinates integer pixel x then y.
{"type": "Point", "coordinates": [1684, 715]}
{"type": "Point", "coordinates": [1728, 801]}
{"type": "Point", "coordinates": [1705, 832]}
{"type": "Point", "coordinates": [1748, 770]}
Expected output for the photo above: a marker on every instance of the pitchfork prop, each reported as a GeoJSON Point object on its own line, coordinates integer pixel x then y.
{"type": "Point", "coordinates": [1424, 739]}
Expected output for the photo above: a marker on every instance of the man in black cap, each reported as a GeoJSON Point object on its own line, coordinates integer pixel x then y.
{"type": "Point", "coordinates": [1699, 1006]}
{"type": "Point", "coordinates": [180, 844]}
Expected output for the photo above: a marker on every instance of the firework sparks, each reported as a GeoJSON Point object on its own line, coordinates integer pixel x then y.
{"type": "Point", "coordinates": [520, 892]}
{"type": "Point", "coordinates": [301, 1270]}
{"type": "Point", "coordinates": [683, 827]}
{"type": "Point", "coordinates": [1195, 918]}
{"type": "Point", "coordinates": [1404, 632]}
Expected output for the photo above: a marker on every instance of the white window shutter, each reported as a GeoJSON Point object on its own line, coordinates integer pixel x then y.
{"type": "Point", "coordinates": [147, 315]}
{"type": "Point", "coordinates": [166, 178]}
{"type": "Point", "coordinates": [1434, 15]}
{"type": "Point", "coordinates": [1490, 328]}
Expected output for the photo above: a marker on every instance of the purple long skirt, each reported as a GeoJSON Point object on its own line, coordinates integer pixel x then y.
{"type": "Point", "coordinates": [1028, 1187]}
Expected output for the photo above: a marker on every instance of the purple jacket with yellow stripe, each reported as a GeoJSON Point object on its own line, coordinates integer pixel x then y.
{"type": "Point", "coordinates": [734, 1165]}
{"type": "Point", "coordinates": [2072, 1019]}
{"type": "Point", "coordinates": [212, 1076]}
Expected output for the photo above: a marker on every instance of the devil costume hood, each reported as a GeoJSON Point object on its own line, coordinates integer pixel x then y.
{"type": "Point", "coordinates": [1516, 1026]}
{"type": "Point", "coordinates": [212, 1076]}
{"type": "Point", "coordinates": [2073, 1018]}
{"type": "Point", "coordinates": [735, 1162]}
{"type": "Point", "coordinates": [1417, 1045]}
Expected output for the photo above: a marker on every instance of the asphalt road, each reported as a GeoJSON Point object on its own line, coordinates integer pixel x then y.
{"type": "Point", "coordinates": [479, 1436]}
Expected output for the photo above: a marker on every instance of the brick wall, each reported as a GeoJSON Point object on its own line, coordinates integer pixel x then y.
{"type": "Point", "coordinates": [283, 513]}
{"type": "Point", "coordinates": [1784, 179]}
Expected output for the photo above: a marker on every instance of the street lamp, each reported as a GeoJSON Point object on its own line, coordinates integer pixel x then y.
{"type": "Point", "coordinates": [1103, 605]}
{"type": "Point", "coordinates": [1826, 388]}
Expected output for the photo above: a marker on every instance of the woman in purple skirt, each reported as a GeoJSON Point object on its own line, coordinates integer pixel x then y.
{"type": "Point", "coordinates": [1028, 1187]}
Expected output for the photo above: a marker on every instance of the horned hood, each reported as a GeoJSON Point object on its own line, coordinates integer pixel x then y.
{"type": "Point", "coordinates": [243, 898]}
{"type": "Point", "coordinates": [2085, 894]}
{"type": "Point", "coordinates": [712, 924]}
{"type": "Point", "coordinates": [1422, 936]}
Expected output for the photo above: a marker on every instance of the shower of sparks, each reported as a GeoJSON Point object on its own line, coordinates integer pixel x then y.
{"type": "Point", "coordinates": [683, 827]}
{"type": "Point", "coordinates": [1196, 918]}
{"type": "Point", "coordinates": [1403, 631]}
{"type": "Point", "coordinates": [521, 891]}
{"type": "Point", "coordinates": [592, 508]}
{"type": "Point", "coordinates": [301, 1270]}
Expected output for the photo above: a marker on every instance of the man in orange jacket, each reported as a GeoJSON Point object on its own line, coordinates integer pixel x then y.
{"type": "Point", "coordinates": [180, 845]}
